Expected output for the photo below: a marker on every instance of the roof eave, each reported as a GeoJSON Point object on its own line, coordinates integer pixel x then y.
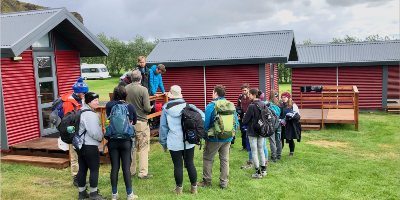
{"type": "Point", "coordinates": [343, 64]}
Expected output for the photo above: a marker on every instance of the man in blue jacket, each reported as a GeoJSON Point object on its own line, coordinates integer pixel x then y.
{"type": "Point", "coordinates": [213, 145]}
{"type": "Point", "coordinates": [156, 79]}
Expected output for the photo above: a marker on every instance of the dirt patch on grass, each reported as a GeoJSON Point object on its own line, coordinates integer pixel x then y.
{"type": "Point", "coordinates": [46, 182]}
{"type": "Point", "coordinates": [386, 146]}
{"type": "Point", "coordinates": [328, 144]}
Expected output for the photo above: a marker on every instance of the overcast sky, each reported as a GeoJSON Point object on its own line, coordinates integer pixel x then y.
{"type": "Point", "coordinates": [318, 20]}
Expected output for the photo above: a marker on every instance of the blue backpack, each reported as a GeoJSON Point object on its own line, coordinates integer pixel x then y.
{"type": "Point", "coordinates": [120, 127]}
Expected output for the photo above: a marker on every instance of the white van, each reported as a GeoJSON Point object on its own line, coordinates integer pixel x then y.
{"type": "Point", "coordinates": [92, 71]}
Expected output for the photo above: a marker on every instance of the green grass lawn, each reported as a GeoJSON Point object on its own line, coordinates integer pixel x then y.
{"type": "Point", "coordinates": [336, 163]}
{"type": "Point", "coordinates": [285, 87]}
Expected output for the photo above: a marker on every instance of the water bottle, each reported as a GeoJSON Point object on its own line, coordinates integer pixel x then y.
{"type": "Point", "coordinates": [71, 129]}
{"type": "Point", "coordinates": [107, 123]}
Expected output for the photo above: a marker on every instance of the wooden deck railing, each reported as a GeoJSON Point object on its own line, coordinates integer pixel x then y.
{"type": "Point", "coordinates": [102, 111]}
{"type": "Point", "coordinates": [353, 96]}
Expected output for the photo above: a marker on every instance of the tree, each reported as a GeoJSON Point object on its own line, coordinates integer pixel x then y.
{"type": "Point", "coordinates": [348, 39]}
{"type": "Point", "coordinates": [307, 42]}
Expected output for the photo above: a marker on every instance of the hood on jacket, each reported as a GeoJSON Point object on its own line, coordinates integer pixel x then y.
{"type": "Point", "coordinates": [153, 69]}
{"type": "Point", "coordinates": [175, 111]}
{"type": "Point", "coordinates": [68, 97]}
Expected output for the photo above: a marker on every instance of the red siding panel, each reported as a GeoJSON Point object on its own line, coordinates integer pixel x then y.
{"type": "Point", "coordinates": [311, 76]}
{"type": "Point", "coordinates": [20, 97]}
{"type": "Point", "coordinates": [368, 81]}
{"type": "Point", "coordinates": [276, 77]}
{"type": "Point", "coordinates": [232, 77]}
{"type": "Point", "coordinates": [68, 70]}
{"type": "Point", "coordinates": [190, 79]}
{"type": "Point", "coordinates": [393, 82]}
{"type": "Point", "coordinates": [268, 85]}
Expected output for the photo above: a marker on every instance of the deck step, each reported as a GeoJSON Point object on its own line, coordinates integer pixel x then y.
{"type": "Point", "coordinates": [393, 111]}
{"type": "Point", "coordinates": [36, 160]}
{"type": "Point", "coordinates": [306, 127]}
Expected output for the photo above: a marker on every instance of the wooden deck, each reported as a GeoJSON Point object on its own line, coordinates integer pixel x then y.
{"type": "Point", "coordinates": [314, 116]}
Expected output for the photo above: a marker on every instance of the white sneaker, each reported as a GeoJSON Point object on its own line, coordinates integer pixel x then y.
{"type": "Point", "coordinates": [131, 196]}
{"type": "Point", "coordinates": [256, 175]}
{"type": "Point", "coordinates": [263, 173]}
{"type": "Point", "coordinates": [115, 196]}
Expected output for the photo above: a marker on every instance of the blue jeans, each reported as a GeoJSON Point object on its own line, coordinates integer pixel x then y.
{"type": "Point", "coordinates": [249, 149]}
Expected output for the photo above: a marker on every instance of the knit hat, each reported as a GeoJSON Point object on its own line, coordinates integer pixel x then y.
{"type": "Point", "coordinates": [286, 94]}
{"type": "Point", "coordinates": [90, 96]}
{"type": "Point", "coordinates": [80, 86]}
{"type": "Point", "coordinates": [175, 92]}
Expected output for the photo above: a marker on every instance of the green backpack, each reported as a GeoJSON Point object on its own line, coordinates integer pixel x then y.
{"type": "Point", "coordinates": [224, 125]}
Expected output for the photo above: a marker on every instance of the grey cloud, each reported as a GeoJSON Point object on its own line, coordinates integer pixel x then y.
{"type": "Point", "coordinates": [346, 3]}
{"type": "Point", "coordinates": [306, 3]}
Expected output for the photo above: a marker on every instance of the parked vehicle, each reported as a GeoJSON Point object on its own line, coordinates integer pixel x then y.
{"type": "Point", "coordinates": [93, 71]}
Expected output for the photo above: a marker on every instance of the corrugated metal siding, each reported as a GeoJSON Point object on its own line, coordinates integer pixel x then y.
{"type": "Point", "coordinates": [68, 70]}
{"type": "Point", "coordinates": [20, 97]}
{"type": "Point", "coordinates": [311, 76]}
{"type": "Point", "coordinates": [232, 77]}
{"type": "Point", "coordinates": [190, 79]}
{"type": "Point", "coordinates": [276, 77]}
{"type": "Point", "coordinates": [393, 82]}
{"type": "Point", "coordinates": [368, 81]}
{"type": "Point", "coordinates": [268, 85]}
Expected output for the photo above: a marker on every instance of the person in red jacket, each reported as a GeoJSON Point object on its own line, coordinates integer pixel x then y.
{"type": "Point", "coordinates": [74, 101]}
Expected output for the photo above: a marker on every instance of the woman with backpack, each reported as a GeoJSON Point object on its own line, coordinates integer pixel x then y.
{"type": "Point", "coordinates": [289, 109]}
{"type": "Point", "coordinates": [256, 143]}
{"type": "Point", "coordinates": [274, 140]}
{"type": "Point", "coordinates": [171, 137]}
{"type": "Point", "coordinates": [90, 134]}
{"type": "Point", "coordinates": [120, 150]}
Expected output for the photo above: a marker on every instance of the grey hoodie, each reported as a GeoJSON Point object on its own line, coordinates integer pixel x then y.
{"type": "Point", "coordinates": [91, 123]}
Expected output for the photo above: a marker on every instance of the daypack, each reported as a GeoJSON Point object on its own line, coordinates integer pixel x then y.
{"type": "Point", "coordinates": [275, 116]}
{"type": "Point", "coordinates": [57, 111]}
{"type": "Point", "coordinates": [224, 120]}
{"type": "Point", "coordinates": [192, 126]}
{"type": "Point", "coordinates": [119, 127]}
{"type": "Point", "coordinates": [72, 118]}
{"type": "Point", "coordinates": [265, 125]}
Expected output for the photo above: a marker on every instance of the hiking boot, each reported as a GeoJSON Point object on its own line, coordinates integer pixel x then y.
{"type": "Point", "coordinates": [273, 159]}
{"type": "Point", "coordinates": [257, 174]}
{"type": "Point", "coordinates": [114, 196]}
{"type": "Point", "coordinates": [96, 195]}
{"type": "Point", "coordinates": [177, 190]}
{"type": "Point", "coordinates": [193, 190]}
{"type": "Point", "coordinates": [131, 197]}
{"type": "Point", "coordinates": [249, 165]}
{"type": "Point", "coordinates": [263, 173]}
{"type": "Point", "coordinates": [244, 149]}
{"type": "Point", "coordinates": [290, 155]}
{"type": "Point", "coordinates": [75, 183]}
{"type": "Point", "coordinates": [146, 177]}
{"type": "Point", "coordinates": [204, 184]}
{"type": "Point", "coordinates": [83, 195]}
{"type": "Point", "coordinates": [278, 157]}
{"type": "Point", "coordinates": [222, 186]}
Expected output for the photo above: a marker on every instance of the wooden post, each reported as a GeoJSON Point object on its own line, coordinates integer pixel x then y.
{"type": "Point", "coordinates": [301, 100]}
{"type": "Point", "coordinates": [356, 110]}
{"type": "Point", "coordinates": [322, 111]}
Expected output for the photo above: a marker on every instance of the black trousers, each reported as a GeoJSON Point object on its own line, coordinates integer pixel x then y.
{"type": "Point", "coordinates": [120, 152]}
{"type": "Point", "coordinates": [177, 159]}
{"type": "Point", "coordinates": [88, 158]}
{"type": "Point", "coordinates": [243, 135]}
{"type": "Point", "coordinates": [291, 142]}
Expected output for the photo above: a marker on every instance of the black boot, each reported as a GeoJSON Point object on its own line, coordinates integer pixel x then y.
{"type": "Point", "coordinates": [273, 159]}
{"type": "Point", "coordinates": [75, 184]}
{"type": "Point", "coordinates": [96, 195]}
{"type": "Point", "coordinates": [279, 157]}
{"type": "Point", "coordinates": [83, 195]}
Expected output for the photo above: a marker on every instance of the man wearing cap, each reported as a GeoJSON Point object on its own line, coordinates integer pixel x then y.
{"type": "Point", "coordinates": [74, 101]}
{"type": "Point", "coordinates": [139, 97]}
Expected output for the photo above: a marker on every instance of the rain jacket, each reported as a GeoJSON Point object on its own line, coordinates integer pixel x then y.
{"type": "Point", "coordinates": [91, 123]}
{"type": "Point", "coordinates": [69, 102]}
{"type": "Point", "coordinates": [155, 81]}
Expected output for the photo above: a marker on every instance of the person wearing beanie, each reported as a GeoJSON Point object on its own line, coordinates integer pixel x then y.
{"type": "Point", "coordinates": [288, 106]}
{"type": "Point", "coordinates": [127, 80]}
{"type": "Point", "coordinates": [74, 101]}
{"type": "Point", "coordinates": [171, 137]}
{"type": "Point", "coordinates": [89, 156]}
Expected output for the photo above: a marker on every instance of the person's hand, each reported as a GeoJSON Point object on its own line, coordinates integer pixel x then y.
{"type": "Point", "coordinates": [238, 117]}
{"type": "Point", "coordinates": [165, 150]}
{"type": "Point", "coordinates": [157, 95]}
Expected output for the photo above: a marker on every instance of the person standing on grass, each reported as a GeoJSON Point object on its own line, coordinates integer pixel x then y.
{"type": "Point", "coordinates": [120, 150]}
{"type": "Point", "coordinates": [89, 156]}
{"type": "Point", "coordinates": [138, 96]}
{"type": "Point", "coordinates": [274, 140]}
{"type": "Point", "coordinates": [213, 145]}
{"type": "Point", "coordinates": [171, 137]}
{"type": "Point", "coordinates": [243, 103]}
{"type": "Point", "coordinates": [288, 107]}
{"type": "Point", "coordinates": [256, 143]}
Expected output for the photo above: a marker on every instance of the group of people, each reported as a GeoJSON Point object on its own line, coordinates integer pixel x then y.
{"type": "Point", "coordinates": [134, 91]}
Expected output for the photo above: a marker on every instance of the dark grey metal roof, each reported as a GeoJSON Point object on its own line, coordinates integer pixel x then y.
{"type": "Point", "coordinates": [244, 48]}
{"type": "Point", "coordinates": [21, 29]}
{"type": "Point", "coordinates": [348, 54]}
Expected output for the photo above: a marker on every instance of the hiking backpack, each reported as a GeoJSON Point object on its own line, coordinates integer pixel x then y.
{"type": "Point", "coordinates": [275, 118]}
{"type": "Point", "coordinates": [265, 125]}
{"type": "Point", "coordinates": [119, 127]}
{"type": "Point", "coordinates": [224, 120]}
{"type": "Point", "coordinates": [192, 126]}
{"type": "Point", "coordinates": [57, 112]}
{"type": "Point", "coordinates": [72, 118]}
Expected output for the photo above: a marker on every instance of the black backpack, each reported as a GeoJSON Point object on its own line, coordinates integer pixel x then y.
{"type": "Point", "coordinates": [72, 118]}
{"type": "Point", "coordinates": [192, 126]}
{"type": "Point", "coordinates": [264, 126]}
